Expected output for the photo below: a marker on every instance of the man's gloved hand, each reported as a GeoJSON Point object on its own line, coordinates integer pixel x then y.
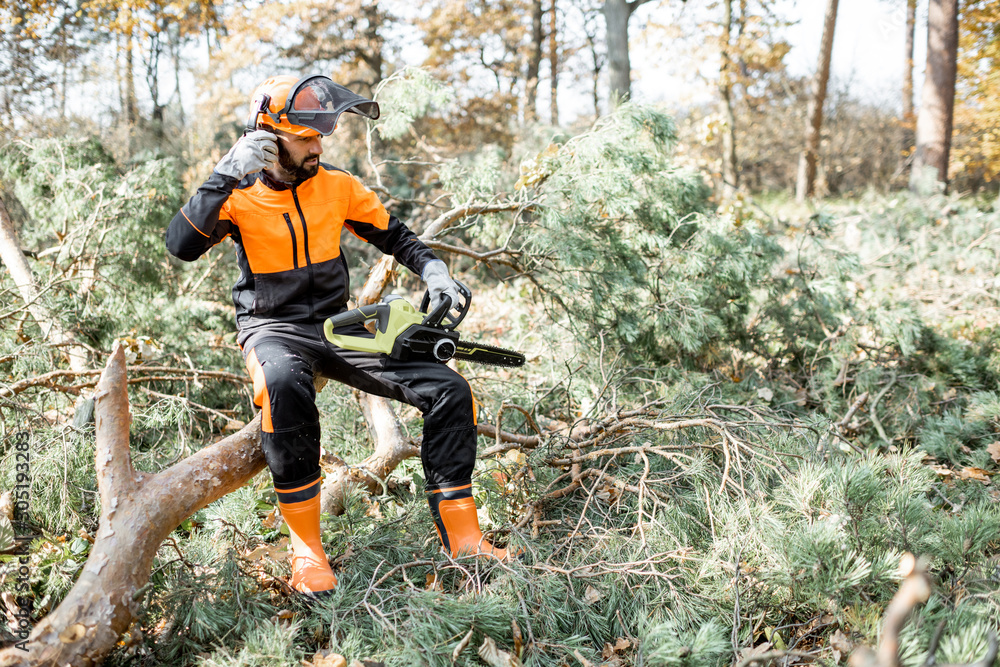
{"type": "Point", "coordinates": [257, 150]}
{"type": "Point", "coordinates": [439, 282]}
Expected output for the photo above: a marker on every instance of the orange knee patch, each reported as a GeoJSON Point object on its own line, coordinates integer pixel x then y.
{"type": "Point", "coordinates": [260, 396]}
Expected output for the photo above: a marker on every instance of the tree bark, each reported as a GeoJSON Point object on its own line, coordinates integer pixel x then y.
{"type": "Point", "coordinates": [907, 120]}
{"type": "Point", "coordinates": [616, 16]}
{"type": "Point", "coordinates": [911, 29]}
{"type": "Point", "coordinates": [806, 182]}
{"type": "Point", "coordinates": [553, 64]}
{"type": "Point", "coordinates": [175, 50]}
{"type": "Point", "coordinates": [534, 63]}
{"type": "Point", "coordinates": [138, 511]}
{"type": "Point", "coordinates": [595, 74]}
{"type": "Point", "coordinates": [730, 175]}
{"type": "Point", "coordinates": [937, 99]}
{"type": "Point", "coordinates": [131, 103]}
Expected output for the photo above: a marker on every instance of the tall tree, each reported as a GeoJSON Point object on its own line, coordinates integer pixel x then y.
{"type": "Point", "coordinates": [727, 76]}
{"type": "Point", "coordinates": [805, 185]}
{"type": "Point", "coordinates": [616, 17]}
{"type": "Point", "coordinates": [908, 117]}
{"type": "Point", "coordinates": [32, 36]}
{"type": "Point", "coordinates": [534, 62]}
{"type": "Point", "coordinates": [911, 30]}
{"type": "Point", "coordinates": [554, 63]}
{"type": "Point", "coordinates": [937, 99]}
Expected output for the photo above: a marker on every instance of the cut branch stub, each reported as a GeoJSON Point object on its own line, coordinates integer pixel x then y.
{"type": "Point", "coordinates": [138, 511]}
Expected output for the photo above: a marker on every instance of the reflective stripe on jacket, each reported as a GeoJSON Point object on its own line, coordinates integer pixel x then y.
{"type": "Point", "coordinates": [288, 240]}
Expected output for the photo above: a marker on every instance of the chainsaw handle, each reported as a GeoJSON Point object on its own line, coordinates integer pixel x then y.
{"type": "Point", "coordinates": [442, 315]}
{"type": "Point", "coordinates": [357, 316]}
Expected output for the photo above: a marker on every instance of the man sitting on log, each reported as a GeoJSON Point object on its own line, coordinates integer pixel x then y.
{"type": "Point", "coordinates": [285, 211]}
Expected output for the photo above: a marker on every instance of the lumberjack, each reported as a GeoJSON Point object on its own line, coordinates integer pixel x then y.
{"type": "Point", "coordinates": [285, 211]}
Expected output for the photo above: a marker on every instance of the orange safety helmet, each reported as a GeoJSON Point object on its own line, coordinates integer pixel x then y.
{"type": "Point", "coordinates": [305, 107]}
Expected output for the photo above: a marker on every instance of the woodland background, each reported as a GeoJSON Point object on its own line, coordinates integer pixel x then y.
{"type": "Point", "coordinates": [761, 335]}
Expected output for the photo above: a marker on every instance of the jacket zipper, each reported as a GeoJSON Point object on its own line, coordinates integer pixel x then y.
{"type": "Point", "coordinates": [305, 247]}
{"type": "Point", "coordinates": [295, 247]}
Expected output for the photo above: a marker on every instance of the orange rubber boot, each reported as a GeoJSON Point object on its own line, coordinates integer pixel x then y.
{"type": "Point", "coordinates": [454, 513]}
{"type": "Point", "coordinates": [311, 573]}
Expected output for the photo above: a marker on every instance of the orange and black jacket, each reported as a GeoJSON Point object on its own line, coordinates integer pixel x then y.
{"type": "Point", "coordinates": [288, 240]}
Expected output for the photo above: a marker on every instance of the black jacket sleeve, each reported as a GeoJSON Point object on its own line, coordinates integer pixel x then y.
{"type": "Point", "coordinates": [397, 240]}
{"type": "Point", "coordinates": [369, 220]}
{"type": "Point", "coordinates": [197, 226]}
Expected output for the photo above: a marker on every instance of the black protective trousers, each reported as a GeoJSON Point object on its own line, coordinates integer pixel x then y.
{"type": "Point", "coordinates": [283, 359]}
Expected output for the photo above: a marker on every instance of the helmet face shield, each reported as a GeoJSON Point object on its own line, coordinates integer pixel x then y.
{"type": "Point", "coordinates": [317, 102]}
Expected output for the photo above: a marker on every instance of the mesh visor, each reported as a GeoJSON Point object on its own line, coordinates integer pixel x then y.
{"type": "Point", "coordinates": [317, 103]}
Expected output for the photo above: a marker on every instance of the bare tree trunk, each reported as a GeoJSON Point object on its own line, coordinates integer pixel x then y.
{"type": "Point", "coordinates": [534, 63]}
{"type": "Point", "coordinates": [937, 100]}
{"type": "Point", "coordinates": [131, 104]}
{"type": "Point", "coordinates": [52, 330]}
{"type": "Point", "coordinates": [616, 16]}
{"type": "Point", "coordinates": [595, 75]}
{"type": "Point", "coordinates": [806, 183]}
{"type": "Point", "coordinates": [911, 29]}
{"type": "Point", "coordinates": [175, 47]}
{"type": "Point", "coordinates": [554, 64]}
{"type": "Point", "coordinates": [138, 511]}
{"type": "Point", "coordinates": [907, 120]}
{"type": "Point", "coordinates": [730, 175]}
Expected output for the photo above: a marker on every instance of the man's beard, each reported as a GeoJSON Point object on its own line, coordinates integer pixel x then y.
{"type": "Point", "coordinates": [297, 171]}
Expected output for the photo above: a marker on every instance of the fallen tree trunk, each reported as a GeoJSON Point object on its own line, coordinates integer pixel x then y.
{"type": "Point", "coordinates": [138, 511]}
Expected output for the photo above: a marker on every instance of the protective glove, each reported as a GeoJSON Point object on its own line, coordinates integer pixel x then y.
{"type": "Point", "coordinates": [250, 154]}
{"type": "Point", "coordinates": [439, 282]}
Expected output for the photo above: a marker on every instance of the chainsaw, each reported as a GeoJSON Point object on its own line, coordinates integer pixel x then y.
{"type": "Point", "coordinates": [405, 333]}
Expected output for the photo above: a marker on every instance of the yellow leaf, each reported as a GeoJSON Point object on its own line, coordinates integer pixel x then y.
{"type": "Point", "coordinates": [329, 660]}
{"type": "Point", "coordinates": [977, 474]}
{"type": "Point", "coordinates": [994, 449]}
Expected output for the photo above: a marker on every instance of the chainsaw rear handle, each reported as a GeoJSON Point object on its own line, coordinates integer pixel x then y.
{"type": "Point", "coordinates": [355, 316]}
{"type": "Point", "coordinates": [442, 315]}
{"type": "Point", "coordinates": [379, 311]}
